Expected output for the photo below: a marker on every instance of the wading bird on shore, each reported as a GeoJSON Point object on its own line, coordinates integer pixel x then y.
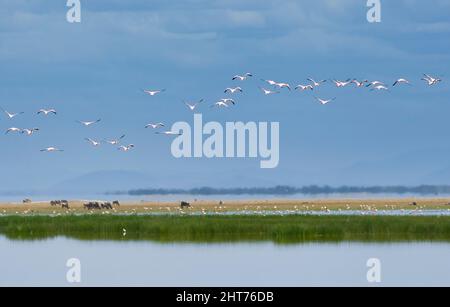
{"type": "Point", "coordinates": [47, 111]}
{"type": "Point", "coordinates": [233, 90]}
{"type": "Point", "coordinates": [324, 101]}
{"type": "Point", "coordinates": [153, 92]}
{"type": "Point", "coordinates": [154, 126]}
{"type": "Point", "coordinates": [87, 124]}
{"type": "Point", "coordinates": [51, 149]}
{"type": "Point", "coordinates": [242, 77]}
{"type": "Point", "coordinates": [93, 142]}
{"type": "Point", "coordinates": [11, 115]}
{"type": "Point", "coordinates": [29, 132]}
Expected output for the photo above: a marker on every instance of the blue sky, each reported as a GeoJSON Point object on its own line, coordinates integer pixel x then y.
{"type": "Point", "coordinates": [95, 69]}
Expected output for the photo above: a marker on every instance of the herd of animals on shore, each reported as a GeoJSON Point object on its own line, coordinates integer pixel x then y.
{"type": "Point", "coordinates": [271, 88]}
{"type": "Point", "coordinates": [94, 205]}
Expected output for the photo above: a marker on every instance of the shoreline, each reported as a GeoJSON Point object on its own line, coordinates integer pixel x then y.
{"type": "Point", "coordinates": [236, 206]}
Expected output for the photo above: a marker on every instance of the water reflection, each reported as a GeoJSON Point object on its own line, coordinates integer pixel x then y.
{"type": "Point", "coordinates": [109, 263]}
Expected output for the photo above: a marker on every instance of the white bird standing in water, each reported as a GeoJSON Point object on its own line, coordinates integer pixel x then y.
{"type": "Point", "coordinates": [242, 77]}
{"type": "Point", "coordinates": [153, 92]}
{"type": "Point", "coordinates": [11, 115]}
{"type": "Point", "coordinates": [324, 101]}
{"type": "Point", "coordinates": [154, 126]}
{"type": "Point", "coordinates": [87, 124]}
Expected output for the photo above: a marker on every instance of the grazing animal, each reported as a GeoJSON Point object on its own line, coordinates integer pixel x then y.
{"type": "Point", "coordinates": [64, 204]}
{"type": "Point", "coordinates": [92, 206]}
{"type": "Point", "coordinates": [185, 205]}
{"type": "Point", "coordinates": [26, 201]}
{"type": "Point", "coordinates": [106, 205]}
{"type": "Point", "coordinates": [55, 203]}
{"type": "Point", "coordinates": [116, 203]}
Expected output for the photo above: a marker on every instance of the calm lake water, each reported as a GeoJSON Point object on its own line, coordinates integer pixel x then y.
{"type": "Point", "coordinates": [114, 263]}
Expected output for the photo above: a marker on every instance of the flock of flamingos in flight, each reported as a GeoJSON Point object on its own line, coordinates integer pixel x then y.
{"type": "Point", "coordinates": [272, 88]}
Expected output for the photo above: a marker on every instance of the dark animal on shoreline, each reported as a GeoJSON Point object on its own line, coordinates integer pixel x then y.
{"type": "Point", "coordinates": [27, 201]}
{"type": "Point", "coordinates": [55, 202]}
{"type": "Point", "coordinates": [92, 205]}
{"type": "Point", "coordinates": [185, 205]}
{"type": "Point", "coordinates": [116, 203]}
{"type": "Point", "coordinates": [413, 204]}
{"type": "Point", "coordinates": [63, 203]}
{"type": "Point", "coordinates": [106, 205]}
{"type": "Point", "coordinates": [98, 206]}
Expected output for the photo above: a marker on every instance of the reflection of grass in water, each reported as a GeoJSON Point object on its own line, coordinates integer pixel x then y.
{"type": "Point", "coordinates": [279, 229]}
